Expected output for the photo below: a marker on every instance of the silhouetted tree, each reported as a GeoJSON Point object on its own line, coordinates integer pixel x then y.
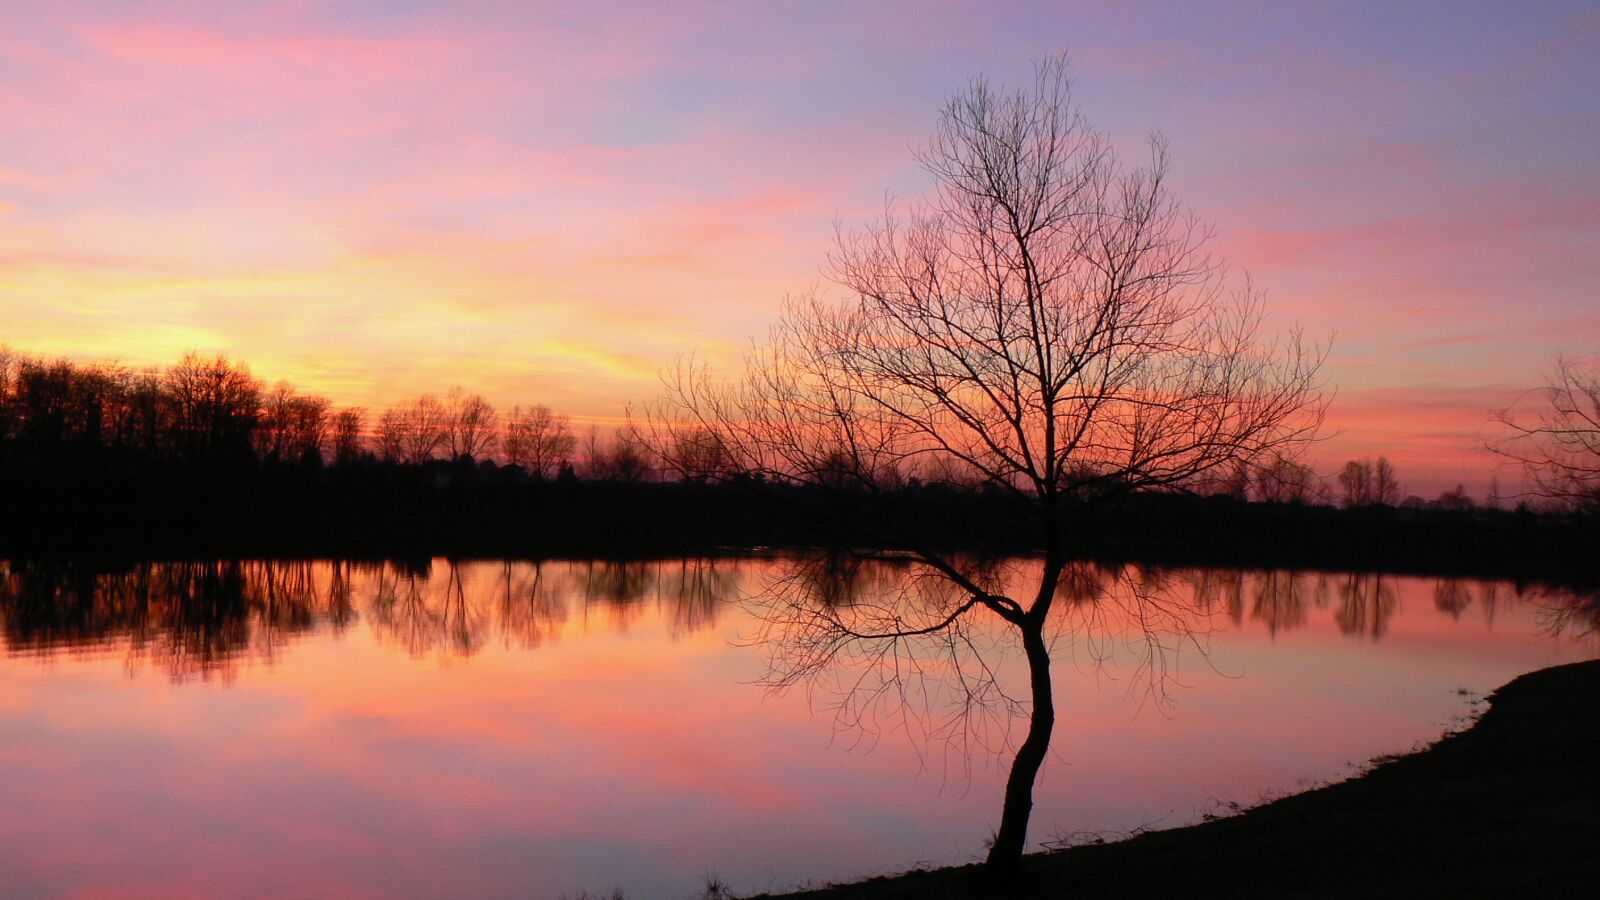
{"type": "Point", "coordinates": [137, 418]}
{"type": "Point", "coordinates": [391, 436]}
{"type": "Point", "coordinates": [538, 440]}
{"type": "Point", "coordinates": [1455, 501]}
{"type": "Point", "coordinates": [56, 402]}
{"type": "Point", "coordinates": [1050, 326]}
{"type": "Point", "coordinates": [293, 426]}
{"type": "Point", "coordinates": [1355, 480]}
{"type": "Point", "coordinates": [1553, 433]}
{"type": "Point", "coordinates": [214, 405]}
{"type": "Point", "coordinates": [348, 426]}
{"type": "Point", "coordinates": [696, 455]}
{"type": "Point", "coordinates": [1284, 480]}
{"type": "Point", "coordinates": [424, 429]}
{"type": "Point", "coordinates": [8, 364]}
{"type": "Point", "coordinates": [1386, 488]}
{"type": "Point", "coordinates": [309, 428]}
{"type": "Point", "coordinates": [272, 432]}
{"type": "Point", "coordinates": [1365, 483]}
{"type": "Point", "coordinates": [1232, 480]}
{"type": "Point", "coordinates": [625, 457]}
{"type": "Point", "coordinates": [472, 423]}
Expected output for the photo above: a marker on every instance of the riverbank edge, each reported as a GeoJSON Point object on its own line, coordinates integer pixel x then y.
{"type": "Point", "coordinates": [1508, 806]}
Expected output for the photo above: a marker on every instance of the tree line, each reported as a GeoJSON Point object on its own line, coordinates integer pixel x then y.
{"type": "Point", "coordinates": [212, 410]}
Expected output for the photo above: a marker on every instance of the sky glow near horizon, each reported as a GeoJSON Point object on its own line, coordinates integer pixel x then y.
{"type": "Point", "coordinates": [550, 203]}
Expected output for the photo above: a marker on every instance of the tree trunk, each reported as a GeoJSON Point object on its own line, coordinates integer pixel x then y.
{"type": "Point", "coordinates": [1005, 857]}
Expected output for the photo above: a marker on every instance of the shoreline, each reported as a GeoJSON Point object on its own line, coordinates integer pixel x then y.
{"type": "Point", "coordinates": [1507, 806]}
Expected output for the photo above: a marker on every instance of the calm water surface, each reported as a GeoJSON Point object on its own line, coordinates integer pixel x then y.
{"type": "Point", "coordinates": [521, 729]}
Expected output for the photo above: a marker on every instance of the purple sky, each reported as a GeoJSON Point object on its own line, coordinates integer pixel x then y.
{"type": "Point", "coordinates": [550, 203]}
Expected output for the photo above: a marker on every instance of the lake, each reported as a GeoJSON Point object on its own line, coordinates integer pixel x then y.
{"type": "Point", "coordinates": [558, 728]}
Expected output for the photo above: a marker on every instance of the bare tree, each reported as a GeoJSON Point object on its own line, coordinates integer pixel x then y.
{"type": "Point", "coordinates": [696, 455]}
{"type": "Point", "coordinates": [1365, 483]}
{"type": "Point", "coordinates": [1355, 480]}
{"type": "Point", "coordinates": [391, 436]}
{"type": "Point", "coordinates": [538, 440]}
{"type": "Point", "coordinates": [1553, 433]}
{"type": "Point", "coordinates": [473, 424]}
{"type": "Point", "coordinates": [1386, 488]}
{"type": "Point", "coordinates": [1457, 500]}
{"type": "Point", "coordinates": [425, 425]}
{"type": "Point", "coordinates": [347, 427]}
{"type": "Point", "coordinates": [293, 426]}
{"type": "Point", "coordinates": [213, 406]}
{"type": "Point", "coordinates": [308, 428]}
{"type": "Point", "coordinates": [8, 369]}
{"type": "Point", "coordinates": [594, 462]}
{"type": "Point", "coordinates": [1233, 481]}
{"type": "Point", "coordinates": [1284, 480]}
{"type": "Point", "coordinates": [625, 457]}
{"type": "Point", "coordinates": [272, 432]}
{"type": "Point", "coordinates": [1047, 324]}
{"type": "Point", "coordinates": [137, 421]}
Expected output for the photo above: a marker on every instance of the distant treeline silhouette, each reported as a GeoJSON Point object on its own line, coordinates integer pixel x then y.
{"type": "Point", "coordinates": [210, 409]}
{"type": "Point", "coordinates": [201, 459]}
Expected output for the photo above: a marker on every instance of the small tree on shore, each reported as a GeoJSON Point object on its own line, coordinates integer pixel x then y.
{"type": "Point", "coordinates": [1048, 326]}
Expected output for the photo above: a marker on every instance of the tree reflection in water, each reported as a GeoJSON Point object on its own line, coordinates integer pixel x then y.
{"type": "Point", "coordinates": [533, 607]}
{"type": "Point", "coordinates": [205, 619]}
{"type": "Point", "coordinates": [885, 649]}
{"type": "Point", "coordinates": [1452, 596]}
{"type": "Point", "coordinates": [1366, 603]}
{"type": "Point", "coordinates": [1281, 600]}
{"type": "Point", "coordinates": [1575, 614]}
{"type": "Point", "coordinates": [202, 619]}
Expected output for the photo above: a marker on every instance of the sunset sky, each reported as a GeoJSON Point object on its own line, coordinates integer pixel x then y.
{"type": "Point", "coordinates": [551, 202]}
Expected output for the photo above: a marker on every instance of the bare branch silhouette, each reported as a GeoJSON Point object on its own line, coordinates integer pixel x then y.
{"type": "Point", "coordinates": [1553, 433]}
{"type": "Point", "coordinates": [1047, 324]}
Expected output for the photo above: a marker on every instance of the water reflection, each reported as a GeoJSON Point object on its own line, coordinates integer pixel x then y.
{"type": "Point", "coordinates": [202, 619]}
{"type": "Point", "coordinates": [596, 718]}
{"type": "Point", "coordinates": [1574, 614]}
{"type": "Point", "coordinates": [1366, 603]}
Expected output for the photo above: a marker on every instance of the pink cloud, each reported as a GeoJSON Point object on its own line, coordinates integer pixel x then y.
{"type": "Point", "coordinates": [1434, 434]}
{"type": "Point", "coordinates": [1421, 238]}
{"type": "Point", "coordinates": [253, 59]}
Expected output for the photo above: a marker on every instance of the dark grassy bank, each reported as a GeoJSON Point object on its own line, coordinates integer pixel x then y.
{"type": "Point", "coordinates": [1507, 808]}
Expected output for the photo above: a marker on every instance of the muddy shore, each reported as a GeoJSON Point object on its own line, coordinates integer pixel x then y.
{"type": "Point", "coordinates": [1508, 807]}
